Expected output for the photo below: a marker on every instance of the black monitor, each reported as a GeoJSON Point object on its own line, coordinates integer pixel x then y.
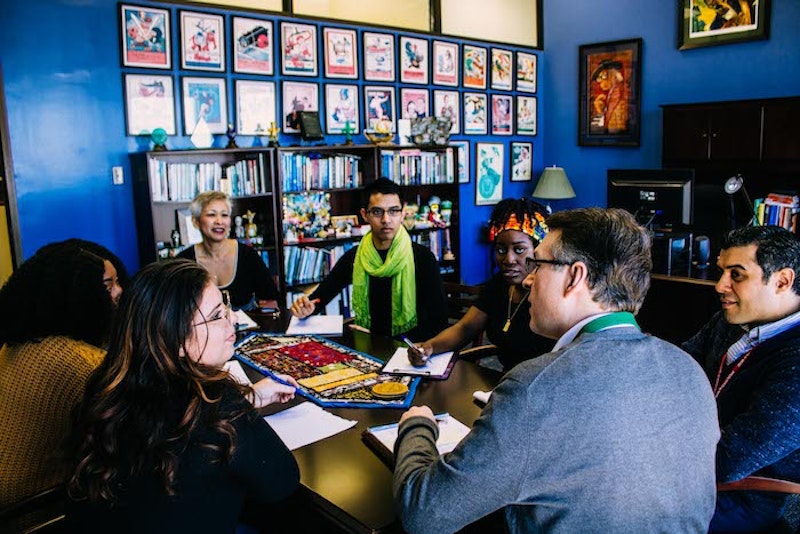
{"type": "Point", "coordinates": [658, 198]}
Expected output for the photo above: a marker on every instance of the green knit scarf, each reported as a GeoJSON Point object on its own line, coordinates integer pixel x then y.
{"type": "Point", "coordinates": [399, 266]}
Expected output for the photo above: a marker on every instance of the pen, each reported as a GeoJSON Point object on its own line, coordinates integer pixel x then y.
{"type": "Point", "coordinates": [354, 326]}
{"type": "Point", "coordinates": [441, 416]}
{"type": "Point", "coordinates": [411, 345]}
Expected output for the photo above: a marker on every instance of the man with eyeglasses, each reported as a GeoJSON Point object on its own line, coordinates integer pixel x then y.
{"type": "Point", "coordinates": [612, 431]}
{"type": "Point", "coordinates": [397, 287]}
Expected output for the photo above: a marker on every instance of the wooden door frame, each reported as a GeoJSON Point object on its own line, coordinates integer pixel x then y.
{"type": "Point", "coordinates": [12, 213]}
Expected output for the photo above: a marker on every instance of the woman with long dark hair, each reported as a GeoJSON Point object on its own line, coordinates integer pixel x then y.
{"type": "Point", "coordinates": [165, 440]}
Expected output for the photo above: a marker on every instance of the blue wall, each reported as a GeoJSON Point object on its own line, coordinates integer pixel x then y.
{"type": "Point", "coordinates": [61, 69]}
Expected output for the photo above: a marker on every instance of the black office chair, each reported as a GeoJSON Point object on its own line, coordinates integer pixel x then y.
{"type": "Point", "coordinates": [42, 513]}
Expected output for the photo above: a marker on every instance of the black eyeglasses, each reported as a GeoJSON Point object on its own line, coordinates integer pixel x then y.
{"type": "Point", "coordinates": [224, 313]}
{"type": "Point", "coordinates": [533, 264]}
{"type": "Point", "coordinates": [379, 212]}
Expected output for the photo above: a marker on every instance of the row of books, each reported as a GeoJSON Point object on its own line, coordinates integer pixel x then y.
{"type": "Point", "coordinates": [302, 172]}
{"type": "Point", "coordinates": [305, 265]}
{"type": "Point", "coordinates": [417, 167]}
{"type": "Point", "coordinates": [183, 181]}
{"type": "Point", "coordinates": [777, 210]}
{"type": "Point", "coordinates": [339, 305]}
{"type": "Point", "coordinates": [438, 241]}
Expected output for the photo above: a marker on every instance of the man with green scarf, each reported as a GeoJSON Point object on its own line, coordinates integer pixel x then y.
{"type": "Point", "coordinates": [397, 287]}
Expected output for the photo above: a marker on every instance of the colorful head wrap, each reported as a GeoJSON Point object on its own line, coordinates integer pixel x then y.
{"type": "Point", "coordinates": [534, 226]}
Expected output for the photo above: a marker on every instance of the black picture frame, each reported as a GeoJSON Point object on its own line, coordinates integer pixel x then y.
{"type": "Point", "coordinates": [609, 93]}
{"type": "Point", "coordinates": [733, 23]}
{"type": "Point", "coordinates": [310, 126]}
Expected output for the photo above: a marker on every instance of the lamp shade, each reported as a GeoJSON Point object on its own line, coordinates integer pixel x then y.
{"type": "Point", "coordinates": [553, 184]}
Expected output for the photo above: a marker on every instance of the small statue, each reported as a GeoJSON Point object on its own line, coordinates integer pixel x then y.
{"type": "Point", "coordinates": [447, 211]}
{"type": "Point", "coordinates": [348, 133]}
{"type": "Point", "coordinates": [159, 137]}
{"type": "Point", "coordinates": [273, 135]}
{"type": "Point", "coordinates": [239, 229]}
{"type": "Point", "coordinates": [250, 229]}
{"type": "Point", "coordinates": [231, 133]}
{"type": "Point", "coordinates": [175, 238]}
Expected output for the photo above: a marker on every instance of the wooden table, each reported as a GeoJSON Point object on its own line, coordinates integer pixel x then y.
{"type": "Point", "coordinates": [342, 477]}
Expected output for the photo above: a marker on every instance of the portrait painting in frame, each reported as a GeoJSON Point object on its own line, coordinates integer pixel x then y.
{"type": "Point", "coordinates": [713, 22]}
{"type": "Point", "coordinates": [445, 63]}
{"type": "Point", "coordinates": [502, 113]}
{"type": "Point", "coordinates": [202, 41]}
{"type": "Point", "coordinates": [378, 57]}
{"type": "Point", "coordinates": [521, 161]}
{"type": "Point", "coordinates": [413, 60]}
{"type": "Point", "coordinates": [340, 53]}
{"type": "Point", "coordinates": [489, 162]}
{"type": "Point", "coordinates": [298, 97]}
{"type": "Point", "coordinates": [145, 37]}
{"type": "Point", "coordinates": [254, 52]}
{"type": "Point", "coordinates": [609, 93]}
{"type": "Point", "coordinates": [298, 49]}
{"type": "Point", "coordinates": [447, 104]}
{"type": "Point", "coordinates": [474, 67]}
{"type": "Point", "coordinates": [414, 103]}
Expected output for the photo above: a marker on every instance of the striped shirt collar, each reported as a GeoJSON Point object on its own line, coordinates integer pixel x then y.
{"type": "Point", "coordinates": [753, 337]}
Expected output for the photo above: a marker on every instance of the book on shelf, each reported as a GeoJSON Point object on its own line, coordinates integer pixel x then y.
{"type": "Point", "coordinates": [382, 438]}
{"type": "Point", "coordinates": [172, 182]}
{"type": "Point", "coordinates": [777, 209]}
{"type": "Point", "coordinates": [305, 171]}
{"type": "Point", "coordinates": [418, 167]}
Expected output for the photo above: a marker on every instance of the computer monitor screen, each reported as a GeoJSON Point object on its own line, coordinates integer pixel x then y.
{"type": "Point", "coordinates": [658, 198]}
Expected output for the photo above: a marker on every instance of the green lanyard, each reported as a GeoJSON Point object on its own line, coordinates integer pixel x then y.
{"type": "Point", "coordinates": [607, 321]}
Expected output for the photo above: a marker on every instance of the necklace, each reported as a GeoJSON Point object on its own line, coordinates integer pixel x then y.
{"type": "Point", "coordinates": [510, 316]}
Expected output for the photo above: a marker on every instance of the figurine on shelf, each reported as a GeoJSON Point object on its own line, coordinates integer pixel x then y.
{"type": "Point", "coordinates": [433, 215]}
{"type": "Point", "coordinates": [239, 229]}
{"type": "Point", "coordinates": [250, 229]}
{"type": "Point", "coordinates": [273, 135]}
{"type": "Point", "coordinates": [231, 133]}
{"type": "Point", "coordinates": [159, 137]}
{"type": "Point", "coordinates": [447, 211]}
{"type": "Point", "coordinates": [410, 217]}
{"type": "Point", "coordinates": [348, 133]}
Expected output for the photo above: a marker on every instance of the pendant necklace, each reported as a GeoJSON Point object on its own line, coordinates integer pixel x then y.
{"type": "Point", "coordinates": [510, 316]}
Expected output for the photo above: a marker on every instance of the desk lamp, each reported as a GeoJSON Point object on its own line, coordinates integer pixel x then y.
{"type": "Point", "coordinates": [553, 185]}
{"type": "Point", "coordinates": [732, 186]}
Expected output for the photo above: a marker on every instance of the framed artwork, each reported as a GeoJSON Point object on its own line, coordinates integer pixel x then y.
{"type": "Point", "coordinates": [609, 93]}
{"type": "Point", "coordinates": [502, 112]}
{"type": "Point", "coordinates": [299, 49]}
{"type": "Point", "coordinates": [474, 67]}
{"type": "Point", "coordinates": [341, 107]}
{"type": "Point", "coordinates": [379, 105]}
{"type": "Point", "coordinates": [488, 173]}
{"type": "Point", "coordinates": [254, 52]}
{"type": "Point", "coordinates": [414, 103]}
{"type": "Point", "coordinates": [202, 41]}
{"type": "Point", "coordinates": [378, 57]}
{"type": "Point", "coordinates": [707, 23]}
{"type": "Point", "coordinates": [340, 53]}
{"type": "Point", "coordinates": [205, 99]}
{"type": "Point", "coordinates": [413, 60]}
{"type": "Point", "coordinates": [463, 160]}
{"type": "Point", "coordinates": [149, 104]}
{"type": "Point", "coordinates": [502, 66]}
{"type": "Point", "coordinates": [475, 114]}
{"type": "Point", "coordinates": [255, 107]}
{"type": "Point", "coordinates": [145, 37]}
{"type": "Point", "coordinates": [526, 72]}
{"type": "Point", "coordinates": [297, 97]}
{"type": "Point", "coordinates": [521, 161]}
{"type": "Point", "coordinates": [447, 104]}
{"type": "Point", "coordinates": [526, 115]}
{"type": "Point", "coordinates": [445, 63]}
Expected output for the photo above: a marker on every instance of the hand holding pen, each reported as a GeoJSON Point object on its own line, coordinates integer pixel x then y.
{"type": "Point", "coordinates": [303, 307]}
{"type": "Point", "coordinates": [418, 356]}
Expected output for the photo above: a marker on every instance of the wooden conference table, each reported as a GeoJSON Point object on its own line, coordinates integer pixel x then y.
{"type": "Point", "coordinates": [343, 477]}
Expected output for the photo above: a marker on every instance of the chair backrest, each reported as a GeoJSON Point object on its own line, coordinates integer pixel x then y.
{"type": "Point", "coordinates": [459, 299]}
{"type": "Point", "coordinates": [42, 513]}
{"type": "Point", "coordinates": [790, 521]}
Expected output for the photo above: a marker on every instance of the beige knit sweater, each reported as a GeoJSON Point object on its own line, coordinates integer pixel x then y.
{"type": "Point", "coordinates": [40, 383]}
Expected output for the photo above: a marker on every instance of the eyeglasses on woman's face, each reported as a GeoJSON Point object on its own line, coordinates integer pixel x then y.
{"type": "Point", "coordinates": [223, 312]}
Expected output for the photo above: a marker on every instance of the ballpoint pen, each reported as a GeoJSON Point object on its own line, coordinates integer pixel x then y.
{"type": "Point", "coordinates": [422, 356]}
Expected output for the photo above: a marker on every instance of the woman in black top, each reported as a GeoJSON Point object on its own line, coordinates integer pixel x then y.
{"type": "Point", "coordinates": [164, 439]}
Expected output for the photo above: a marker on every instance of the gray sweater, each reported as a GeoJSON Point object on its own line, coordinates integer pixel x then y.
{"type": "Point", "coordinates": [616, 432]}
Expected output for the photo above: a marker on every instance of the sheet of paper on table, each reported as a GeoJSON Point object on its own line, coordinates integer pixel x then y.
{"type": "Point", "coordinates": [306, 423]}
{"type": "Point", "coordinates": [436, 366]}
{"type": "Point", "coordinates": [451, 432]}
{"type": "Point", "coordinates": [322, 325]}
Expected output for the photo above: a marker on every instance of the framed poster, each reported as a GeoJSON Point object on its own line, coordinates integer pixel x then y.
{"type": "Point", "coordinates": [609, 87]}
{"type": "Point", "coordinates": [463, 160]}
{"type": "Point", "coordinates": [521, 161]}
{"type": "Point", "coordinates": [378, 57]}
{"type": "Point", "coordinates": [475, 114]}
{"type": "Point", "coordinates": [526, 72]}
{"type": "Point", "coordinates": [447, 104]}
{"type": "Point", "coordinates": [341, 107]}
{"type": "Point", "coordinates": [254, 52]}
{"type": "Point", "coordinates": [474, 67]}
{"type": "Point", "coordinates": [340, 53]}
{"type": "Point", "coordinates": [488, 173]}
{"type": "Point", "coordinates": [255, 107]}
{"type": "Point", "coordinates": [445, 63]}
{"type": "Point", "coordinates": [149, 104]}
{"type": "Point", "coordinates": [706, 23]}
{"type": "Point", "coordinates": [297, 97]}
{"type": "Point", "coordinates": [502, 110]}
{"type": "Point", "coordinates": [205, 99]}
{"type": "Point", "coordinates": [526, 115]}
{"type": "Point", "coordinates": [145, 37]}
{"type": "Point", "coordinates": [413, 60]}
{"type": "Point", "coordinates": [202, 41]}
{"type": "Point", "coordinates": [379, 105]}
{"type": "Point", "coordinates": [414, 103]}
{"type": "Point", "coordinates": [501, 69]}
{"type": "Point", "coordinates": [299, 49]}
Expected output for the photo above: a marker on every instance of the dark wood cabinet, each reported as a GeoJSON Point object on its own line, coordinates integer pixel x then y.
{"type": "Point", "coordinates": [782, 131]}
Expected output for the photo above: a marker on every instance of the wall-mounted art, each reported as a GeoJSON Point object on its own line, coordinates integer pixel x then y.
{"type": "Point", "coordinates": [341, 108]}
{"type": "Point", "coordinates": [205, 99]}
{"type": "Point", "coordinates": [145, 37]}
{"type": "Point", "coordinates": [378, 57]}
{"type": "Point", "coordinates": [298, 49]}
{"type": "Point", "coordinates": [149, 104]}
{"type": "Point", "coordinates": [474, 67]}
{"type": "Point", "coordinates": [254, 52]}
{"type": "Point", "coordinates": [202, 41]}
{"type": "Point", "coordinates": [413, 60]}
{"type": "Point", "coordinates": [714, 22]}
{"type": "Point", "coordinates": [445, 63]}
{"type": "Point", "coordinates": [340, 53]}
{"type": "Point", "coordinates": [489, 164]}
{"type": "Point", "coordinates": [298, 97]}
{"type": "Point", "coordinates": [255, 107]}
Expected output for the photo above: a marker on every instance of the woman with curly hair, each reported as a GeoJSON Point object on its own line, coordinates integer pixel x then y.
{"type": "Point", "coordinates": [55, 315]}
{"type": "Point", "coordinates": [165, 440]}
{"type": "Point", "coordinates": [502, 309]}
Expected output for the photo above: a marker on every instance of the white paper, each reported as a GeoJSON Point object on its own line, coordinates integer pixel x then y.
{"type": "Point", "coordinates": [306, 423]}
{"type": "Point", "coordinates": [243, 321]}
{"type": "Point", "coordinates": [435, 366]}
{"type": "Point", "coordinates": [235, 369]}
{"type": "Point", "coordinates": [451, 432]}
{"type": "Point", "coordinates": [323, 325]}
{"type": "Point", "coordinates": [482, 396]}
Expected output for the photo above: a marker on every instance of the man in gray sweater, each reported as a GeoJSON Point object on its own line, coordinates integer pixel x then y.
{"type": "Point", "coordinates": [613, 431]}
